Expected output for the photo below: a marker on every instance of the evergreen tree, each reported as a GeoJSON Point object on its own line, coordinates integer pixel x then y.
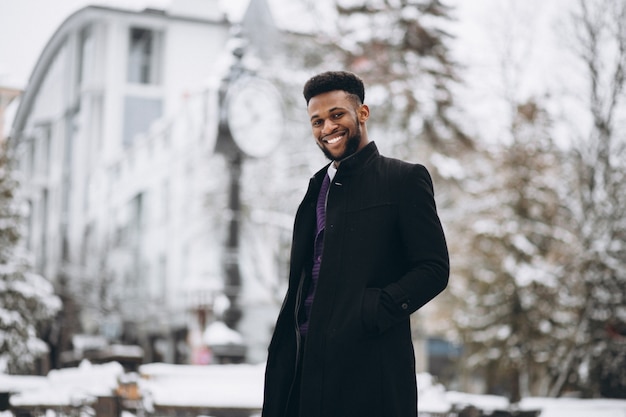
{"type": "Point", "coordinates": [596, 359]}
{"type": "Point", "coordinates": [517, 304]}
{"type": "Point", "coordinates": [27, 300]}
{"type": "Point", "coordinates": [400, 48]}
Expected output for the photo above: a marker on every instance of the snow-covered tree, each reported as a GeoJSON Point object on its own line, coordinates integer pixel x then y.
{"type": "Point", "coordinates": [517, 300]}
{"type": "Point", "coordinates": [514, 292]}
{"type": "Point", "coordinates": [596, 360]}
{"type": "Point", "coordinates": [27, 300]}
{"type": "Point", "coordinates": [544, 300]}
{"type": "Point", "coordinates": [401, 50]}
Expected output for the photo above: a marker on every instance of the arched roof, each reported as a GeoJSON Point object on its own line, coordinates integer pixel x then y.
{"type": "Point", "coordinates": [69, 26]}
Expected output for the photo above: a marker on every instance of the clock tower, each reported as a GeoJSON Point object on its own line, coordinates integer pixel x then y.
{"type": "Point", "coordinates": [250, 126]}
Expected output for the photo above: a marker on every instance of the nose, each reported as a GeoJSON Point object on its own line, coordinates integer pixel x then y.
{"type": "Point", "coordinates": [329, 127]}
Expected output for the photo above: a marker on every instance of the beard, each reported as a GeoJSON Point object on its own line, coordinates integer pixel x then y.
{"type": "Point", "coordinates": [352, 144]}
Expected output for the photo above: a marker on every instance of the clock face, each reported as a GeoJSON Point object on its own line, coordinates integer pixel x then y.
{"type": "Point", "coordinates": [255, 116]}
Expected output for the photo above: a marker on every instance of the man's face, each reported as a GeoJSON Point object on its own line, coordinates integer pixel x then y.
{"type": "Point", "coordinates": [336, 124]}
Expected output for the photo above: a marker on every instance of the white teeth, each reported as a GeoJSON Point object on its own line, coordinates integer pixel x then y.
{"type": "Point", "coordinates": [334, 140]}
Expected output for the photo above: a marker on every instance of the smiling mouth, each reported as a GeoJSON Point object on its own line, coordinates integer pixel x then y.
{"type": "Point", "coordinates": [333, 140]}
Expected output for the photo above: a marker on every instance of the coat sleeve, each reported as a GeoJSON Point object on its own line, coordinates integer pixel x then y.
{"type": "Point", "coordinates": [425, 249]}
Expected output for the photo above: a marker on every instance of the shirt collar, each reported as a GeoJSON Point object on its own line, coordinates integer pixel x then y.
{"type": "Point", "coordinates": [331, 171]}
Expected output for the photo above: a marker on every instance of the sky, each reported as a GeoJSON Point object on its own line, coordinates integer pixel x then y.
{"type": "Point", "coordinates": [26, 26]}
{"type": "Point", "coordinates": [482, 30]}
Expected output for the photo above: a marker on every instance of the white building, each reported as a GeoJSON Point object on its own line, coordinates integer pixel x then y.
{"type": "Point", "coordinates": [128, 201]}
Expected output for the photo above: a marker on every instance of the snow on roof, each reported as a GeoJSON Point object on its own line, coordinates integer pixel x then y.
{"type": "Point", "coordinates": [219, 386]}
{"type": "Point", "coordinates": [218, 334]}
{"type": "Point", "coordinates": [487, 403]}
{"type": "Point", "coordinates": [82, 342]}
{"type": "Point", "coordinates": [65, 387]}
{"type": "Point", "coordinates": [18, 383]}
{"type": "Point", "coordinates": [129, 351]}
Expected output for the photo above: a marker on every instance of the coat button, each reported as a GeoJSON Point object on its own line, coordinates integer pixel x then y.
{"type": "Point", "coordinates": [404, 306]}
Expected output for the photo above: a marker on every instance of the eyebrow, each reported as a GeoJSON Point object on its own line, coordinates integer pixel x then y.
{"type": "Point", "coordinates": [315, 116]}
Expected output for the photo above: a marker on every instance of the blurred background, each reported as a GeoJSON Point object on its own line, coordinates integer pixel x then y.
{"type": "Point", "coordinates": [146, 211]}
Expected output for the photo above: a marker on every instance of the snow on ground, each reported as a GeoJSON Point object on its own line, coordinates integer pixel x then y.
{"type": "Point", "coordinates": [220, 386]}
{"type": "Point", "coordinates": [69, 386]}
{"type": "Point", "coordinates": [574, 407]}
{"type": "Point", "coordinates": [241, 386]}
{"type": "Point", "coordinates": [431, 395]}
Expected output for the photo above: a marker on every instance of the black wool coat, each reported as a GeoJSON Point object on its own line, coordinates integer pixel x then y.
{"type": "Point", "coordinates": [384, 257]}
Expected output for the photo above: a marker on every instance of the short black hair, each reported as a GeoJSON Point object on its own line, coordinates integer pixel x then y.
{"type": "Point", "coordinates": [334, 80]}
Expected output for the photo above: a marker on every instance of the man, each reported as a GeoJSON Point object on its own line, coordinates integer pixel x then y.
{"type": "Point", "coordinates": [377, 253]}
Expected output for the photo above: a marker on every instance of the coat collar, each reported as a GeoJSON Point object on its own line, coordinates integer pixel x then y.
{"type": "Point", "coordinates": [352, 163]}
{"type": "Point", "coordinates": [358, 160]}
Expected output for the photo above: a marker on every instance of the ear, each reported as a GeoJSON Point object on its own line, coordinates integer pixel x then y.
{"type": "Point", "coordinates": [363, 113]}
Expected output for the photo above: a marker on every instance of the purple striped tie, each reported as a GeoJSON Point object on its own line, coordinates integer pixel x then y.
{"type": "Point", "coordinates": [321, 204]}
{"type": "Point", "coordinates": [317, 254]}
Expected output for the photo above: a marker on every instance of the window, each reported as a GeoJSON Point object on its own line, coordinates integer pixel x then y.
{"type": "Point", "coordinates": [137, 213]}
{"type": "Point", "coordinates": [29, 165]}
{"type": "Point", "coordinates": [165, 201]}
{"type": "Point", "coordinates": [160, 287]}
{"type": "Point", "coordinates": [86, 55]}
{"type": "Point", "coordinates": [43, 149]}
{"type": "Point", "coordinates": [95, 129]}
{"type": "Point", "coordinates": [139, 114]}
{"type": "Point", "coordinates": [144, 56]}
{"type": "Point", "coordinates": [43, 230]}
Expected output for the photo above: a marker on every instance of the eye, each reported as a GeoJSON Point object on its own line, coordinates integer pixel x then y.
{"type": "Point", "coordinates": [338, 115]}
{"type": "Point", "coordinates": [316, 123]}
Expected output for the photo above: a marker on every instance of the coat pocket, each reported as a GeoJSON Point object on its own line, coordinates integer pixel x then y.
{"type": "Point", "coordinates": [369, 310]}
